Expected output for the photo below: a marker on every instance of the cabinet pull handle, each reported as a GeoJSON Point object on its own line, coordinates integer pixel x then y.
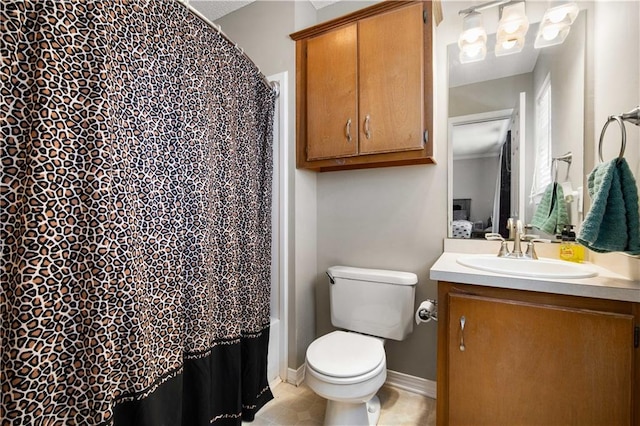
{"type": "Point", "coordinates": [367, 131]}
{"type": "Point", "coordinates": [462, 321]}
{"type": "Point", "coordinates": [348, 130]}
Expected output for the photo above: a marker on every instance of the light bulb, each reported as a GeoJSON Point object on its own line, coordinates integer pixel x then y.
{"type": "Point", "coordinates": [511, 27]}
{"type": "Point", "coordinates": [509, 44]}
{"type": "Point", "coordinates": [550, 33]}
{"type": "Point", "coordinates": [557, 15]}
{"type": "Point", "coordinates": [473, 50]}
{"type": "Point", "coordinates": [471, 36]}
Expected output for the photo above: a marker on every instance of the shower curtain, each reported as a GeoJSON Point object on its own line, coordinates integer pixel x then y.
{"type": "Point", "coordinates": [135, 217]}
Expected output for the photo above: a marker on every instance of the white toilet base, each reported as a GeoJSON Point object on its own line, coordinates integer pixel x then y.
{"type": "Point", "coordinates": [352, 414]}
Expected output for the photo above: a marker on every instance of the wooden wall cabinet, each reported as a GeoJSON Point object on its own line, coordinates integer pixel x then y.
{"type": "Point", "coordinates": [364, 89]}
{"type": "Point", "coordinates": [508, 357]}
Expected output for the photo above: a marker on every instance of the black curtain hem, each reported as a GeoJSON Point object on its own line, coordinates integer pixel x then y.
{"type": "Point", "coordinates": [223, 385]}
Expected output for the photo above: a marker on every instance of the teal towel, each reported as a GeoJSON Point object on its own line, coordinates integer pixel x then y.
{"type": "Point", "coordinates": [613, 222]}
{"type": "Point", "coordinates": [551, 213]}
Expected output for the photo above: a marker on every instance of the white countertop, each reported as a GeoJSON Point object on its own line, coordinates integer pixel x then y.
{"type": "Point", "coordinates": [607, 285]}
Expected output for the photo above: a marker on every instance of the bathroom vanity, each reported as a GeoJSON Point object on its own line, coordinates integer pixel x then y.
{"type": "Point", "coordinates": [531, 350]}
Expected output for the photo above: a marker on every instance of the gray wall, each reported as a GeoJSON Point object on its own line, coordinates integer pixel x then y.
{"type": "Point", "coordinates": [613, 74]}
{"type": "Point", "coordinates": [391, 218]}
{"type": "Point", "coordinates": [396, 217]}
{"type": "Point", "coordinates": [475, 178]}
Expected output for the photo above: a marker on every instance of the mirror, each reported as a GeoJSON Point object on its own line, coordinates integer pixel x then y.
{"type": "Point", "coordinates": [497, 109]}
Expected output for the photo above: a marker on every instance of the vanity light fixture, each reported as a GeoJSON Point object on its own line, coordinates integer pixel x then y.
{"type": "Point", "coordinates": [556, 23]}
{"type": "Point", "coordinates": [513, 27]}
{"type": "Point", "coordinates": [473, 40]}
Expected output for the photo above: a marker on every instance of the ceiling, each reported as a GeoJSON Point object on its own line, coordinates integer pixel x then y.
{"type": "Point", "coordinates": [216, 9]}
{"type": "Point", "coordinates": [479, 139]}
{"type": "Point", "coordinates": [493, 67]}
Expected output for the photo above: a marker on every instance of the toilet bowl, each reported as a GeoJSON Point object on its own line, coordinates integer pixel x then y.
{"type": "Point", "coordinates": [347, 369]}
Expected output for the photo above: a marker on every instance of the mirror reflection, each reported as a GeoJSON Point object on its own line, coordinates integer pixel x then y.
{"type": "Point", "coordinates": [509, 117]}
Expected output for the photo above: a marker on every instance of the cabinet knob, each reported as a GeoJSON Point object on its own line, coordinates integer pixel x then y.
{"type": "Point", "coordinates": [462, 322]}
{"type": "Point", "coordinates": [367, 130]}
{"type": "Point", "coordinates": [348, 130]}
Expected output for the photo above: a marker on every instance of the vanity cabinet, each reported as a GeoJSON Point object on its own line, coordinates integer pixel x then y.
{"type": "Point", "coordinates": [364, 89]}
{"type": "Point", "coordinates": [510, 357]}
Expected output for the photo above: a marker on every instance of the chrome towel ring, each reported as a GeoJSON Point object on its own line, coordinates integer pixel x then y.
{"type": "Point", "coordinates": [622, 130]}
{"type": "Point", "coordinates": [632, 116]}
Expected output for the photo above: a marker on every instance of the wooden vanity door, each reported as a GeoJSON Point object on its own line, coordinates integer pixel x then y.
{"type": "Point", "coordinates": [391, 81]}
{"type": "Point", "coordinates": [536, 364]}
{"type": "Point", "coordinates": [332, 66]}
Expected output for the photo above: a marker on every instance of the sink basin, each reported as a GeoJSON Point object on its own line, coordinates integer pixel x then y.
{"type": "Point", "coordinates": [541, 268]}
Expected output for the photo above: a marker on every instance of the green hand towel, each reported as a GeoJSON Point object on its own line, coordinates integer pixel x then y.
{"type": "Point", "coordinates": [551, 213]}
{"type": "Point", "coordinates": [613, 222]}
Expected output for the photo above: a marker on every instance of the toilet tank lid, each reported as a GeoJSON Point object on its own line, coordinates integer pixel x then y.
{"type": "Point", "coordinates": [374, 275]}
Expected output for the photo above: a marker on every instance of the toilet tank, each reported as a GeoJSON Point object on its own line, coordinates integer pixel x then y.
{"type": "Point", "coordinates": [372, 301]}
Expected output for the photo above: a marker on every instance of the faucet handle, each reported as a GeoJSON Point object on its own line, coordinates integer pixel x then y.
{"type": "Point", "coordinates": [493, 236]}
{"type": "Point", "coordinates": [504, 249]}
{"type": "Point", "coordinates": [531, 250]}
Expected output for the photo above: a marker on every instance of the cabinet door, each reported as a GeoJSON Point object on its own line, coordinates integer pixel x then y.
{"type": "Point", "coordinates": [391, 87]}
{"type": "Point", "coordinates": [534, 364]}
{"type": "Point", "coordinates": [332, 124]}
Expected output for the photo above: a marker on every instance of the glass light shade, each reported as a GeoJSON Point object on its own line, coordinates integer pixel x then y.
{"type": "Point", "coordinates": [556, 23]}
{"type": "Point", "coordinates": [508, 45]}
{"type": "Point", "coordinates": [513, 23]}
{"type": "Point", "coordinates": [473, 52]}
{"type": "Point", "coordinates": [473, 39]}
{"type": "Point", "coordinates": [565, 12]}
{"type": "Point", "coordinates": [550, 35]}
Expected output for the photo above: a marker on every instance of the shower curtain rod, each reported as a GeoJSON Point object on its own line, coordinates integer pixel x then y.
{"type": "Point", "coordinates": [272, 85]}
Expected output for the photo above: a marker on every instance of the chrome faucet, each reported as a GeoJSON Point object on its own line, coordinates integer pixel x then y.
{"type": "Point", "coordinates": [516, 234]}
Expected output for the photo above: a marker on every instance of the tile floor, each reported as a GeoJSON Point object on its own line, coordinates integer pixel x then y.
{"type": "Point", "coordinates": [300, 406]}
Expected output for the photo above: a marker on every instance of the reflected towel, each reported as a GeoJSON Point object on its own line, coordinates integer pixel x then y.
{"type": "Point", "coordinates": [613, 222]}
{"type": "Point", "coordinates": [551, 213]}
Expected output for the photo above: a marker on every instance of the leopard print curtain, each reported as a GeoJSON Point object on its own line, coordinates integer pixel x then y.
{"type": "Point", "coordinates": [135, 217]}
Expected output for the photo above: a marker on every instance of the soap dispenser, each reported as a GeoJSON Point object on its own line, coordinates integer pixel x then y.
{"type": "Point", "coordinates": [569, 249]}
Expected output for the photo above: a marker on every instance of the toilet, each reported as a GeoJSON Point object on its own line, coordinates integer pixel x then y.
{"type": "Point", "coordinates": [347, 367]}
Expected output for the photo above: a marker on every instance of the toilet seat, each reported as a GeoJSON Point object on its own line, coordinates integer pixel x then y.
{"type": "Point", "coordinates": [341, 357]}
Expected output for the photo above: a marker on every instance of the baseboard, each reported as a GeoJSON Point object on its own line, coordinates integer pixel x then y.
{"type": "Point", "coordinates": [295, 377]}
{"type": "Point", "coordinates": [411, 383]}
{"type": "Point", "coordinates": [275, 382]}
{"type": "Point", "coordinates": [399, 380]}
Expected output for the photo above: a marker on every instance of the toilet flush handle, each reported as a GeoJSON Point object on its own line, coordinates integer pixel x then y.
{"type": "Point", "coordinates": [330, 278]}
